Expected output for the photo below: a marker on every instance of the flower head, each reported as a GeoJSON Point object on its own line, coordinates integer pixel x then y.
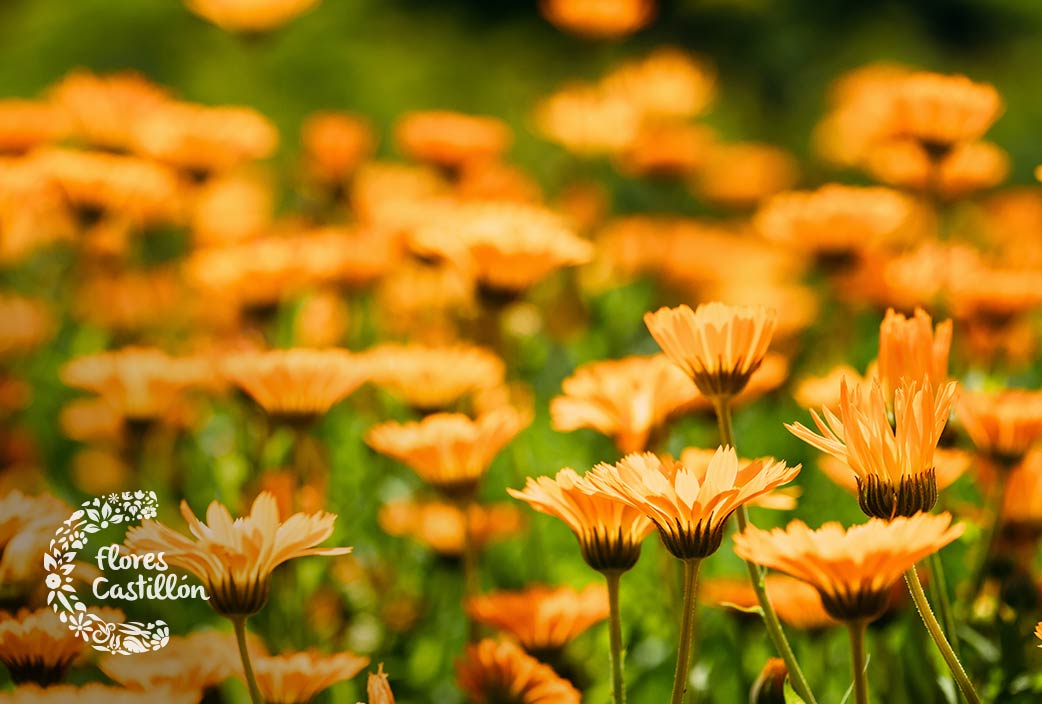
{"type": "Point", "coordinates": [295, 678]}
{"type": "Point", "coordinates": [335, 144]}
{"type": "Point", "coordinates": [235, 558]}
{"type": "Point", "coordinates": [796, 603]}
{"type": "Point", "coordinates": [698, 460]}
{"type": "Point", "coordinates": [27, 524]}
{"type": "Point", "coordinates": [441, 525]}
{"type": "Point", "coordinates": [689, 506]}
{"type": "Point", "coordinates": [249, 15]}
{"type": "Point", "coordinates": [96, 693]}
{"type": "Point", "coordinates": [717, 345]}
{"type": "Point", "coordinates": [429, 377]}
{"type": "Point", "coordinates": [598, 18]}
{"type": "Point", "coordinates": [948, 463]}
{"type": "Point", "coordinates": [200, 660]}
{"type": "Point", "coordinates": [494, 672]}
{"type": "Point", "coordinates": [940, 110]}
{"type": "Point", "coordinates": [451, 139]}
{"type": "Point", "coordinates": [1004, 425]}
{"type": "Point", "coordinates": [25, 324]}
{"type": "Point", "coordinates": [35, 646]}
{"type": "Point", "coordinates": [378, 688]}
{"type": "Point", "coordinates": [912, 349]}
{"type": "Point", "coordinates": [852, 569]}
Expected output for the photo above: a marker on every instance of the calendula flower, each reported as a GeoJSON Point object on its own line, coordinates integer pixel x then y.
{"type": "Point", "coordinates": [912, 349]}
{"type": "Point", "coordinates": [499, 672]}
{"type": "Point", "coordinates": [609, 532]}
{"type": "Point", "coordinates": [35, 646]}
{"type": "Point", "coordinates": [894, 463]}
{"type": "Point", "coordinates": [91, 420]}
{"type": "Point", "coordinates": [823, 391]}
{"type": "Point", "coordinates": [27, 524]}
{"type": "Point", "coordinates": [335, 144]}
{"type": "Point", "coordinates": [230, 208]}
{"type": "Point", "coordinates": [249, 16]}
{"type": "Point", "coordinates": [940, 110]}
{"type": "Point", "coordinates": [853, 569]}
{"type": "Point", "coordinates": [966, 168]}
{"type": "Point", "coordinates": [948, 464]}
{"type": "Point", "coordinates": [25, 124]}
{"type": "Point", "coordinates": [668, 84]}
{"type": "Point", "coordinates": [200, 660]}
{"type": "Point", "coordinates": [495, 180]}
{"type": "Point", "coordinates": [134, 301]}
{"type": "Point", "coordinates": [297, 383]}
{"type": "Point", "coordinates": [1021, 510]}
{"type": "Point", "coordinates": [1038, 628]}
{"type": "Point", "coordinates": [1004, 425]}
{"type": "Point", "coordinates": [449, 451]}
{"type": "Point", "coordinates": [769, 687]}
{"type": "Point", "coordinates": [717, 345]}
{"type": "Point", "coordinates": [541, 619]}
{"type": "Point", "coordinates": [698, 459]}
{"type": "Point", "coordinates": [630, 399]}
{"type": "Point", "coordinates": [33, 210]}
{"type": "Point", "coordinates": [796, 603]}
{"type": "Point", "coordinates": [235, 559]}
{"type": "Point", "coordinates": [743, 174]}
{"type": "Point", "coordinates": [432, 377]}
{"type": "Point", "coordinates": [95, 693]}
{"type": "Point", "coordinates": [603, 19]}
{"type": "Point", "coordinates": [451, 139]}
{"type": "Point", "coordinates": [381, 191]}
{"type": "Point", "coordinates": [588, 120]}
{"type": "Point", "coordinates": [667, 150]}
{"type": "Point", "coordinates": [690, 507]}
{"type": "Point", "coordinates": [296, 678]}
{"type": "Point", "coordinates": [441, 525]}
{"type": "Point", "coordinates": [103, 109]}
{"type": "Point", "coordinates": [25, 324]}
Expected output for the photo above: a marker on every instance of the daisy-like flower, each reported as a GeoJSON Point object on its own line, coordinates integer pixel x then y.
{"type": "Point", "coordinates": [823, 391]}
{"type": "Point", "coordinates": [27, 524]}
{"type": "Point", "coordinates": [542, 619]}
{"type": "Point", "coordinates": [1002, 425]}
{"type": "Point", "coordinates": [440, 525]}
{"type": "Point", "coordinates": [335, 144]}
{"type": "Point", "coordinates": [603, 19]}
{"type": "Point", "coordinates": [201, 660]}
{"type": "Point", "coordinates": [894, 464]}
{"type": "Point", "coordinates": [717, 345]}
{"type": "Point", "coordinates": [940, 110]}
{"type": "Point", "coordinates": [949, 464]}
{"type": "Point", "coordinates": [25, 324]}
{"type": "Point", "coordinates": [433, 377]}
{"type": "Point", "coordinates": [451, 139]}
{"type": "Point", "coordinates": [449, 451]}
{"type": "Point", "coordinates": [770, 683]}
{"type": "Point", "coordinates": [249, 16]}
{"type": "Point", "coordinates": [698, 459]}
{"type": "Point", "coordinates": [25, 124]}
{"type": "Point", "coordinates": [235, 558]}
{"type": "Point", "coordinates": [378, 688]}
{"type": "Point", "coordinates": [95, 693]}
{"type": "Point", "coordinates": [629, 400]}
{"type": "Point", "coordinates": [1038, 628]}
{"type": "Point", "coordinates": [690, 507]}
{"type": "Point", "coordinates": [609, 532]}
{"type": "Point", "coordinates": [852, 569]}
{"type": "Point", "coordinates": [743, 174]}
{"type": "Point", "coordinates": [796, 603]}
{"type": "Point", "coordinates": [35, 646]}
{"type": "Point", "coordinates": [668, 84]}
{"type": "Point", "coordinates": [912, 349]}
{"type": "Point", "coordinates": [297, 384]}
{"type": "Point", "coordinates": [102, 108]}
{"type": "Point", "coordinates": [296, 678]}
{"type": "Point", "coordinates": [499, 672]}
{"type": "Point", "coordinates": [588, 120]}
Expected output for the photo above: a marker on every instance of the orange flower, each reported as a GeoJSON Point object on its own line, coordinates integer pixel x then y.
{"type": "Point", "coordinates": [823, 391]}
{"type": "Point", "coordinates": [378, 688]}
{"type": "Point", "coordinates": [421, 301]}
{"type": "Point", "coordinates": [133, 301]}
{"type": "Point", "coordinates": [948, 464]}
{"type": "Point", "coordinates": [690, 507]}
{"type": "Point", "coordinates": [335, 144]}
{"type": "Point", "coordinates": [296, 678]}
{"type": "Point", "coordinates": [698, 459]}
{"type": "Point", "coordinates": [94, 693]}
{"type": "Point", "coordinates": [249, 16]}
{"type": "Point", "coordinates": [666, 84]}
{"type": "Point", "coordinates": [321, 320]}
{"type": "Point", "coordinates": [428, 377]}
{"type": "Point", "coordinates": [1038, 628]}
{"type": "Point", "coordinates": [588, 120]}
{"type": "Point", "coordinates": [449, 450]}
{"type": "Point", "coordinates": [494, 672]}
{"type": "Point", "coordinates": [966, 168]}
{"type": "Point", "coordinates": [235, 559]}
{"type": "Point", "coordinates": [25, 324]}
{"type": "Point", "coordinates": [297, 383]}
{"type": "Point", "coordinates": [440, 526]}
{"type": "Point", "coordinates": [770, 683]}
{"type": "Point", "coordinates": [104, 108]}
{"type": "Point", "coordinates": [381, 191]}
{"type": "Point", "coordinates": [940, 111]}
{"type": "Point", "coordinates": [201, 660]}
{"type": "Point", "coordinates": [494, 180]}
{"type": "Point", "coordinates": [451, 139]}
{"type": "Point", "coordinates": [25, 124]}
{"type": "Point", "coordinates": [231, 208]}
{"type": "Point", "coordinates": [835, 220]}
{"type": "Point", "coordinates": [894, 463]}
{"type": "Point", "coordinates": [603, 19]}
{"type": "Point", "coordinates": [1022, 502]}
{"type": "Point", "coordinates": [541, 619]}
{"type": "Point", "coordinates": [1004, 425]}
{"type": "Point", "coordinates": [741, 175]}
{"type": "Point", "coordinates": [912, 349]}
{"type": "Point", "coordinates": [609, 531]}
{"type": "Point", "coordinates": [628, 399]}
{"type": "Point", "coordinates": [852, 569]}
{"type": "Point", "coordinates": [97, 471]}
{"type": "Point", "coordinates": [27, 524]}
{"type": "Point", "coordinates": [33, 212]}
{"type": "Point", "coordinates": [91, 420]}
{"type": "Point", "coordinates": [796, 603]}
{"type": "Point", "coordinates": [717, 345]}
{"type": "Point", "coordinates": [35, 646]}
{"type": "Point", "coordinates": [667, 150]}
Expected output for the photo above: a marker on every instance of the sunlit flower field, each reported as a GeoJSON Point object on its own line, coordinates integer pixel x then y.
{"type": "Point", "coordinates": [535, 352]}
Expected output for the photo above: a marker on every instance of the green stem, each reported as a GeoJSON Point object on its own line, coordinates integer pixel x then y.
{"type": "Point", "coordinates": [247, 667]}
{"type": "Point", "coordinates": [944, 604]}
{"type": "Point", "coordinates": [857, 660]}
{"type": "Point", "coordinates": [687, 625]}
{"type": "Point", "coordinates": [915, 588]}
{"type": "Point", "coordinates": [756, 576]}
{"type": "Point", "coordinates": [618, 687]}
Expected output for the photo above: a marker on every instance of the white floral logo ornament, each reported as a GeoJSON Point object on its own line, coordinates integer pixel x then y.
{"type": "Point", "coordinates": [95, 515]}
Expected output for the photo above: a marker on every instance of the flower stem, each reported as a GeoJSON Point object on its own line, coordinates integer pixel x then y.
{"type": "Point", "coordinates": [756, 576]}
{"type": "Point", "coordinates": [618, 687]}
{"type": "Point", "coordinates": [944, 604]}
{"type": "Point", "coordinates": [915, 588]}
{"type": "Point", "coordinates": [687, 627]}
{"type": "Point", "coordinates": [247, 667]}
{"type": "Point", "coordinates": [857, 660]}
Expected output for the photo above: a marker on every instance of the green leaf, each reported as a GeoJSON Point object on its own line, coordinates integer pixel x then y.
{"type": "Point", "coordinates": [790, 694]}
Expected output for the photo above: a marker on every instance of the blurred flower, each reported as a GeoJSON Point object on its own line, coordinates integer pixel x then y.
{"type": "Point", "coordinates": [853, 569]}
{"type": "Point", "coordinates": [967, 168]}
{"type": "Point", "coordinates": [912, 349]}
{"type": "Point", "coordinates": [27, 525]}
{"type": "Point", "coordinates": [1038, 631]}
{"type": "Point", "coordinates": [717, 345]}
{"type": "Point", "coordinates": [35, 646]}
{"type": "Point", "coordinates": [667, 150]}
{"type": "Point", "coordinates": [824, 391]}
{"type": "Point", "coordinates": [296, 678]}
{"type": "Point", "coordinates": [542, 619]}
{"type": "Point", "coordinates": [133, 301]}
{"type": "Point", "coordinates": [335, 144]}
{"type": "Point", "coordinates": [292, 494]}
{"type": "Point", "coordinates": [769, 687]}
{"type": "Point", "coordinates": [439, 525]}
{"type": "Point", "coordinates": [942, 110]}
{"type": "Point", "coordinates": [249, 15]}
{"type": "Point", "coordinates": [609, 531]}
{"type": "Point", "coordinates": [419, 300]}
{"type": "Point", "coordinates": [743, 174]}
{"type": "Point", "coordinates": [231, 208]}
{"type": "Point", "coordinates": [1022, 501]}
{"type": "Point", "coordinates": [949, 464]}
{"type": "Point", "coordinates": [200, 660]}
{"type": "Point", "coordinates": [433, 377]}
{"type": "Point", "coordinates": [25, 324]}
{"type": "Point", "coordinates": [698, 459]}
{"type": "Point", "coordinates": [587, 120]}
{"type": "Point", "coordinates": [451, 139]}
{"type": "Point", "coordinates": [98, 471]}
{"type": "Point", "coordinates": [1005, 424]}
{"type": "Point", "coordinates": [321, 321]}
{"type": "Point", "coordinates": [492, 672]}
{"type": "Point", "coordinates": [33, 210]}
{"type": "Point", "coordinates": [378, 689]}
{"type": "Point", "coordinates": [235, 559]}
{"type": "Point", "coordinates": [689, 507]}
{"type": "Point", "coordinates": [387, 193]}
{"type": "Point", "coordinates": [628, 399]}
{"type": "Point", "coordinates": [666, 84]}
{"type": "Point", "coordinates": [296, 383]}
{"type": "Point", "coordinates": [25, 124]}
{"type": "Point", "coordinates": [796, 603]}
{"type": "Point", "coordinates": [449, 451]}
{"type": "Point", "coordinates": [95, 693]}
{"type": "Point", "coordinates": [894, 463]}
{"type": "Point", "coordinates": [495, 180]}
{"type": "Point", "coordinates": [104, 109]}
{"type": "Point", "coordinates": [602, 19]}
